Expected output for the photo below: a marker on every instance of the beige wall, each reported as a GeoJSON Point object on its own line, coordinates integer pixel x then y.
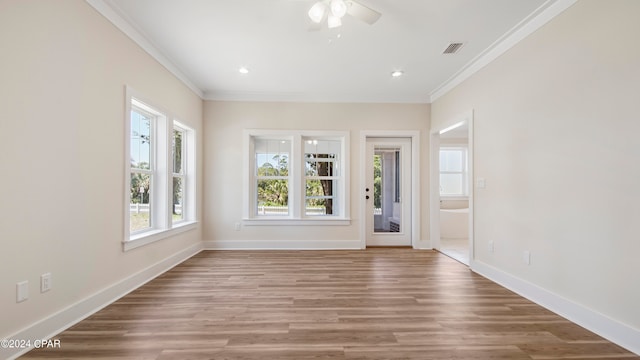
{"type": "Point", "coordinates": [556, 137]}
{"type": "Point", "coordinates": [63, 71]}
{"type": "Point", "coordinates": [224, 124]}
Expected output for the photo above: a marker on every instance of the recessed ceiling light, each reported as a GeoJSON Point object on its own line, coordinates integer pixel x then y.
{"type": "Point", "coordinates": [243, 70]}
{"type": "Point", "coordinates": [397, 73]}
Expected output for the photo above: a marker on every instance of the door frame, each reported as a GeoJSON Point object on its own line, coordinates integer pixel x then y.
{"type": "Point", "coordinates": [434, 177]}
{"type": "Point", "coordinates": [414, 136]}
{"type": "Point", "coordinates": [403, 237]}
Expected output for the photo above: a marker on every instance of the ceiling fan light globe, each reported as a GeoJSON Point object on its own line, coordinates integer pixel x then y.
{"type": "Point", "coordinates": [333, 22]}
{"type": "Point", "coordinates": [316, 13]}
{"type": "Point", "coordinates": [338, 8]}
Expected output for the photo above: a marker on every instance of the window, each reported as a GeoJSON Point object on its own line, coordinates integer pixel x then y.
{"type": "Point", "coordinates": [397, 177]}
{"type": "Point", "coordinates": [296, 176]}
{"type": "Point", "coordinates": [142, 169]}
{"type": "Point", "coordinates": [178, 143]}
{"type": "Point", "coordinates": [160, 194]}
{"type": "Point", "coordinates": [322, 175]}
{"type": "Point", "coordinates": [453, 171]}
{"type": "Point", "coordinates": [272, 176]}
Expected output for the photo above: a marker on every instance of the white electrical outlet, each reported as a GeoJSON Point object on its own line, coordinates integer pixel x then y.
{"type": "Point", "coordinates": [491, 247]}
{"type": "Point", "coordinates": [526, 257]}
{"type": "Point", "coordinates": [22, 291]}
{"type": "Point", "coordinates": [481, 183]}
{"type": "Point", "coordinates": [45, 282]}
{"type": "Point", "coordinates": [237, 226]}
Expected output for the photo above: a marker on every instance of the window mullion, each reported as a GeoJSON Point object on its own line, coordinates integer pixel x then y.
{"type": "Point", "coordinates": [265, 177]}
{"type": "Point", "coordinates": [310, 177]}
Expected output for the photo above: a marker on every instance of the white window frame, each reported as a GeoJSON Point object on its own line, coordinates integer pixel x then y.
{"type": "Point", "coordinates": [288, 177]}
{"type": "Point", "coordinates": [465, 172]}
{"type": "Point", "coordinates": [161, 189]}
{"type": "Point", "coordinates": [183, 175]}
{"type": "Point", "coordinates": [151, 171]}
{"type": "Point", "coordinates": [297, 179]}
{"type": "Point", "coordinates": [337, 179]}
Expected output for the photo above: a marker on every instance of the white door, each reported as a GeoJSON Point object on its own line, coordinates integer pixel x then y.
{"type": "Point", "coordinates": [388, 192]}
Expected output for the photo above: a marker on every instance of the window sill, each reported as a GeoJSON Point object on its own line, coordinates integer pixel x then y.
{"type": "Point", "coordinates": [152, 236]}
{"type": "Point", "coordinates": [296, 222]}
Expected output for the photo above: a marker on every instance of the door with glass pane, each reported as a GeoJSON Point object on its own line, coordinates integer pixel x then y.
{"type": "Point", "coordinates": [388, 192]}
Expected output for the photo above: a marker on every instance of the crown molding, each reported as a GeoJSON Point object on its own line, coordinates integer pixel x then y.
{"type": "Point", "coordinates": [542, 15]}
{"type": "Point", "coordinates": [537, 19]}
{"type": "Point", "coordinates": [115, 16]}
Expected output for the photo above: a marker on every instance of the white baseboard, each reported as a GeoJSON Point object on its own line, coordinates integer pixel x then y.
{"type": "Point", "coordinates": [54, 324]}
{"type": "Point", "coordinates": [610, 329]}
{"type": "Point", "coordinates": [282, 245]}
{"type": "Point", "coordinates": [423, 245]}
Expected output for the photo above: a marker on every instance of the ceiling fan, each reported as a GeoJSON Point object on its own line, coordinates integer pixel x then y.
{"type": "Point", "coordinates": [335, 10]}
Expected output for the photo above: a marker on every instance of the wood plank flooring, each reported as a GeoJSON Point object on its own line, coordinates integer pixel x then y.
{"type": "Point", "coordinates": [366, 304]}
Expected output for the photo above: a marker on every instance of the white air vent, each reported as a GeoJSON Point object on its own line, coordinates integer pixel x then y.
{"type": "Point", "coordinates": [452, 48]}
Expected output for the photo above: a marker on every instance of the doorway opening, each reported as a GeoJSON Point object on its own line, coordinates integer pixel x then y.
{"type": "Point", "coordinates": [452, 190]}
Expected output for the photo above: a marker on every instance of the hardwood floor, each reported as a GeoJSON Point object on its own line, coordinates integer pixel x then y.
{"type": "Point", "coordinates": [457, 249]}
{"type": "Point", "coordinates": [368, 304]}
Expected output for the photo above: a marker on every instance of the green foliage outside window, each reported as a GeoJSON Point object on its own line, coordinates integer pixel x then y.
{"type": "Point", "coordinates": [274, 192]}
{"type": "Point", "coordinates": [377, 181]}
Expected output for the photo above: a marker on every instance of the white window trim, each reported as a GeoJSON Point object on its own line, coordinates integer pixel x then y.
{"type": "Point", "coordinates": [162, 225]}
{"type": "Point", "coordinates": [337, 200]}
{"type": "Point", "coordinates": [136, 241]}
{"type": "Point", "coordinates": [296, 196]}
{"type": "Point", "coordinates": [188, 174]}
{"type": "Point", "coordinates": [465, 178]}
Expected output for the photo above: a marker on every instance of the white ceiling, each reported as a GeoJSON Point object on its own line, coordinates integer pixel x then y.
{"type": "Point", "coordinates": [206, 41]}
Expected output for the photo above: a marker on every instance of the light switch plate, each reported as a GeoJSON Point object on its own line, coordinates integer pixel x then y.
{"type": "Point", "coordinates": [22, 291]}
{"type": "Point", "coordinates": [45, 282]}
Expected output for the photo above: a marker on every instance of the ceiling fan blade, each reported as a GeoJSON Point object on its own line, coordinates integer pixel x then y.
{"type": "Point", "coordinates": [362, 12]}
